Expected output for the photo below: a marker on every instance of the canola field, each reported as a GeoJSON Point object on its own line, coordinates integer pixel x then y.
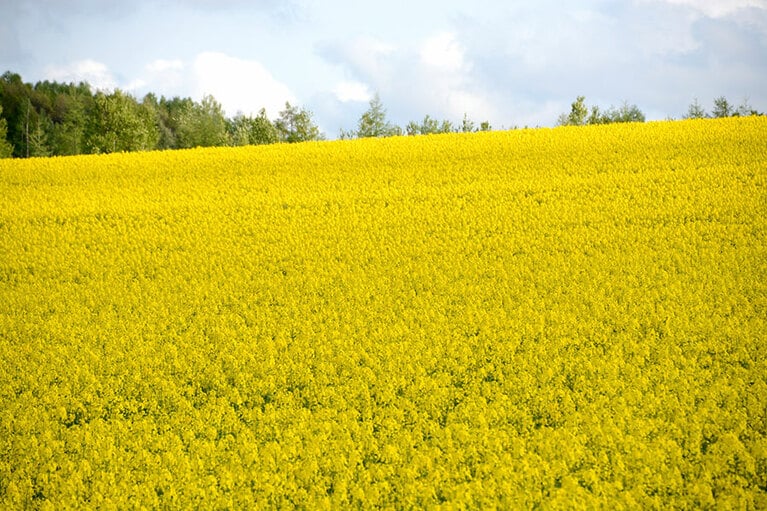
{"type": "Point", "coordinates": [552, 318]}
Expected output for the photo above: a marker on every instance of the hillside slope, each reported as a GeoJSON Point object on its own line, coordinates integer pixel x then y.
{"type": "Point", "coordinates": [570, 317]}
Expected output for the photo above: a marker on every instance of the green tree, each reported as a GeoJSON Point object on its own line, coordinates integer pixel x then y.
{"type": "Point", "coordinates": [262, 130]}
{"type": "Point", "coordinates": [467, 125]}
{"type": "Point", "coordinates": [695, 111]}
{"type": "Point", "coordinates": [172, 114]}
{"type": "Point", "coordinates": [37, 142]}
{"type": "Point", "coordinates": [71, 110]}
{"type": "Point", "coordinates": [722, 108]}
{"type": "Point", "coordinates": [247, 130]}
{"type": "Point", "coordinates": [373, 122]}
{"type": "Point", "coordinates": [429, 126]}
{"type": "Point", "coordinates": [578, 113]}
{"type": "Point", "coordinates": [6, 149]}
{"type": "Point", "coordinates": [15, 105]}
{"type": "Point", "coordinates": [745, 109]}
{"type": "Point", "coordinates": [204, 125]}
{"type": "Point", "coordinates": [624, 113]}
{"type": "Point", "coordinates": [596, 116]}
{"type": "Point", "coordinates": [119, 123]}
{"type": "Point", "coordinates": [238, 129]}
{"type": "Point", "coordinates": [14, 98]}
{"type": "Point", "coordinates": [296, 125]}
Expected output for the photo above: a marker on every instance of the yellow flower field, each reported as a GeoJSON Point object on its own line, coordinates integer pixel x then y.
{"type": "Point", "coordinates": [551, 318]}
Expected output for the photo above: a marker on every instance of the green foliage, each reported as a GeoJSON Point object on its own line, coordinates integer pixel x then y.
{"type": "Point", "coordinates": [295, 125]}
{"type": "Point", "coordinates": [204, 125]}
{"type": "Point", "coordinates": [373, 122]}
{"type": "Point", "coordinates": [695, 111]}
{"type": "Point", "coordinates": [722, 108]}
{"type": "Point", "coordinates": [6, 149]}
{"type": "Point", "coordinates": [625, 113]}
{"type": "Point", "coordinates": [247, 130]}
{"type": "Point", "coordinates": [467, 125]}
{"type": "Point", "coordinates": [50, 118]}
{"type": "Point", "coordinates": [580, 114]}
{"type": "Point", "coordinates": [37, 141]}
{"type": "Point", "coordinates": [171, 116]}
{"type": "Point", "coordinates": [53, 118]}
{"type": "Point", "coordinates": [429, 126]}
{"type": "Point", "coordinates": [69, 123]}
{"type": "Point", "coordinates": [119, 123]}
{"type": "Point", "coordinates": [432, 126]}
{"type": "Point", "coordinates": [14, 97]}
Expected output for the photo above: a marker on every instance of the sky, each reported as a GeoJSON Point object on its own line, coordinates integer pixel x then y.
{"type": "Point", "coordinates": [512, 63]}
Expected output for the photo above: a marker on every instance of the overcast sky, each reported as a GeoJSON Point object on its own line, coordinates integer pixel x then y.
{"type": "Point", "coordinates": [510, 62]}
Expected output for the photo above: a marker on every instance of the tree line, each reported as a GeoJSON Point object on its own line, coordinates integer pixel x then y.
{"type": "Point", "coordinates": [581, 114]}
{"type": "Point", "coordinates": [51, 118]}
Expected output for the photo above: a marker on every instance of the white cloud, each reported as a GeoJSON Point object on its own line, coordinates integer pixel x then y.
{"type": "Point", "coordinates": [95, 73]}
{"type": "Point", "coordinates": [431, 76]}
{"type": "Point", "coordinates": [368, 57]}
{"type": "Point", "coordinates": [446, 78]}
{"type": "Point", "coordinates": [239, 85]}
{"type": "Point", "coordinates": [135, 85]}
{"type": "Point", "coordinates": [162, 65]}
{"type": "Point", "coordinates": [165, 76]}
{"type": "Point", "coordinates": [351, 91]}
{"type": "Point", "coordinates": [718, 8]}
{"type": "Point", "coordinates": [443, 52]}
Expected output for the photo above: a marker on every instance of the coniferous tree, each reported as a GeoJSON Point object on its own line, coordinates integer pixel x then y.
{"type": "Point", "coordinates": [695, 111]}
{"type": "Point", "coordinates": [373, 122]}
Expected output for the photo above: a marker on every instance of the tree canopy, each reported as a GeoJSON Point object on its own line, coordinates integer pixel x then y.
{"type": "Point", "coordinates": [580, 114]}
{"type": "Point", "coordinates": [295, 125]}
{"type": "Point", "coordinates": [373, 122]}
{"type": "Point", "coordinates": [6, 149]}
{"type": "Point", "coordinates": [50, 118]}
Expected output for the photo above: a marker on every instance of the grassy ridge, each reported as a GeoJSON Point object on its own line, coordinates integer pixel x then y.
{"type": "Point", "coordinates": [531, 318]}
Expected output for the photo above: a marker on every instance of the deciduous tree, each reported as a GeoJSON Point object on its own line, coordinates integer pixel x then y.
{"type": "Point", "coordinates": [6, 149]}
{"type": "Point", "coordinates": [295, 125]}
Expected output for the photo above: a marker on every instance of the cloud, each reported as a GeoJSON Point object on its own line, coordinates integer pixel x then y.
{"type": "Point", "coordinates": [452, 88]}
{"type": "Point", "coordinates": [367, 59]}
{"type": "Point", "coordinates": [443, 52]}
{"type": "Point", "coordinates": [162, 65]}
{"type": "Point", "coordinates": [432, 76]}
{"type": "Point", "coordinates": [351, 91]}
{"type": "Point", "coordinates": [657, 54]}
{"type": "Point", "coordinates": [238, 84]}
{"type": "Point", "coordinates": [95, 73]}
{"type": "Point", "coordinates": [166, 76]}
{"type": "Point", "coordinates": [718, 8]}
{"type": "Point", "coordinates": [285, 11]}
{"type": "Point", "coordinates": [135, 85]}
